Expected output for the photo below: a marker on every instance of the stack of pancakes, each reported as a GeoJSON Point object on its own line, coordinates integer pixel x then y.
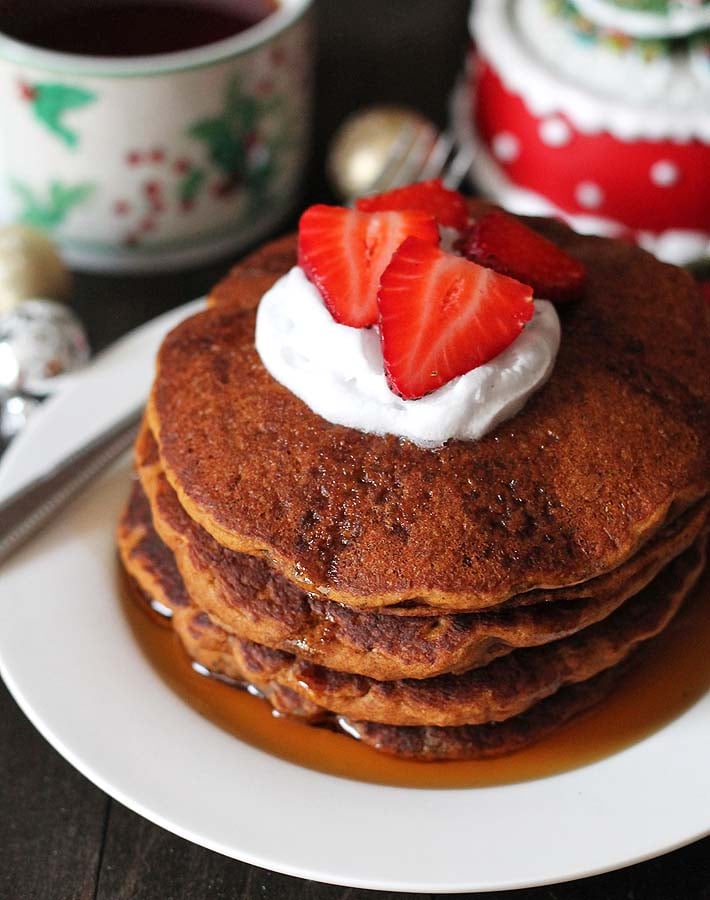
{"type": "Point", "coordinates": [437, 604]}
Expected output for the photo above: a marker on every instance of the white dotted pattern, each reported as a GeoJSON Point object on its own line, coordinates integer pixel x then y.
{"type": "Point", "coordinates": [664, 173]}
{"type": "Point", "coordinates": [506, 146]}
{"type": "Point", "coordinates": [589, 195]}
{"type": "Point", "coordinates": [555, 132]}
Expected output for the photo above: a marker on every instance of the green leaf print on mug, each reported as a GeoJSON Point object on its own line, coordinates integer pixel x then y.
{"type": "Point", "coordinates": [238, 144]}
{"type": "Point", "coordinates": [51, 102]}
{"type": "Point", "coordinates": [190, 185]}
{"type": "Point", "coordinates": [50, 212]}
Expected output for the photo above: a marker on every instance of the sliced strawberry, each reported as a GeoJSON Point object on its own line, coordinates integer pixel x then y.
{"type": "Point", "coordinates": [441, 316]}
{"type": "Point", "coordinates": [505, 244]}
{"type": "Point", "coordinates": [448, 207]}
{"type": "Point", "coordinates": [344, 252]}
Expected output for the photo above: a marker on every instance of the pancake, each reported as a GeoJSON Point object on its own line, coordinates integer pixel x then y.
{"type": "Point", "coordinates": [243, 595]}
{"type": "Point", "coordinates": [146, 558]}
{"type": "Point", "coordinates": [610, 451]}
{"type": "Point", "coordinates": [153, 572]}
{"type": "Point", "coordinates": [431, 744]}
{"type": "Point", "coordinates": [423, 743]}
{"type": "Point", "coordinates": [498, 691]}
{"type": "Point", "coordinates": [250, 279]}
{"type": "Point", "coordinates": [504, 688]}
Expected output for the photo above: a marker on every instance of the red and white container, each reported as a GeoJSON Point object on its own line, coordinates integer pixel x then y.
{"type": "Point", "coordinates": [612, 142]}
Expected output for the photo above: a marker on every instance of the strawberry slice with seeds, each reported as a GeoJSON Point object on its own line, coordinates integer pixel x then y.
{"type": "Point", "coordinates": [442, 315]}
{"type": "Point", "coordinates": [448, 207]}
{"type": "Point", "coordinates": [344, 252]}
{"type": "Point", "coordinates": [505, 244]}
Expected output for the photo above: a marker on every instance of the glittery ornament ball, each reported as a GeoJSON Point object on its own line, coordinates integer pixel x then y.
{"type": "Point", "coordinates": [40, 341]}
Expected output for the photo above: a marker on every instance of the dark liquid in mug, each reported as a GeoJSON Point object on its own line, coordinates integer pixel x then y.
{"type": "Point", "coordinates": [129, 28]}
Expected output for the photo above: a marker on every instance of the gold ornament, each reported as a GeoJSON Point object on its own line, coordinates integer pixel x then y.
{"type": "Point", "coordinates": [376, 148]}
{"type": "Point", "coordinates": [29, 267]}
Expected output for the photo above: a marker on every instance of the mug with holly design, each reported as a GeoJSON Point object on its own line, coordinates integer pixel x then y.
{"type": "Point", "coordinates": [147, 163]}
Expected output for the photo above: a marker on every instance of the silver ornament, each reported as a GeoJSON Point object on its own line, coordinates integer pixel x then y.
{"type": "Point", "coordinates": [15, 412]}
{"type": "Point", "coordinates": [40, 341]}
{"type": "Point", "coordinates": [376, 148]}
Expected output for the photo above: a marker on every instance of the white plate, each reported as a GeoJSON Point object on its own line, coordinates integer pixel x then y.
{"type": "Point", "coordinates": [67, 655]}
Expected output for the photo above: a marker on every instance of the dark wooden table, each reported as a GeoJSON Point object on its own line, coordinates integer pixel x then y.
{"type": "Point", "coordinates": [60, 837]}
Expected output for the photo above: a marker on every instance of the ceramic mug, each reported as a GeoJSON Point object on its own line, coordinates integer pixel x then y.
{"type": "Point", "coordinates": [157, 162]}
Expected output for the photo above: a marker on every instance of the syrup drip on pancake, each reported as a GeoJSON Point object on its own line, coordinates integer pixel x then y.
{"type": "Point", "coordinates": [673, 672]}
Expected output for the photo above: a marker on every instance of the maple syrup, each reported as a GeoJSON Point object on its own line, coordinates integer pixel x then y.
{"type": "Point", "coordinates": [673, 673]}
{"type": "Point", "coordinates": [130, 28]}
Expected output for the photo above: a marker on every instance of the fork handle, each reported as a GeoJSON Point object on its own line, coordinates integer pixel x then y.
{"type": "Point", "coordinates": [24, 512]}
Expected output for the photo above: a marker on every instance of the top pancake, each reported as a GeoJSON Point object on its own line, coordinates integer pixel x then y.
{"type": "Point", "coordinates": [614, 446]}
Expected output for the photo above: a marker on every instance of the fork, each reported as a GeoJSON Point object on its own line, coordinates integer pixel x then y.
{"type": "Point", "coordinates": [385, 147]}
{"type": "Point", "coordinates": [421, 159]}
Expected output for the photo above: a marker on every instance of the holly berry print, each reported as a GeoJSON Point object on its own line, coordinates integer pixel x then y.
{"type": "Point", "coordinates": [52, 102]}
{"type": "Point", "coordinates": [164, 184]}
{"type": "Point", "coordinates": [238, 144]}
{"type": "Point", "coordinates": [168, 184]}
{"type": "Point", "coordinates": [157, 165]}
{"type": "Point", "coordinates": [236, 153]}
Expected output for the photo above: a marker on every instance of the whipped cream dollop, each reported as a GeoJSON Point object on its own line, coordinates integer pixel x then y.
{"type": "Point", "coordinates": [338, 371]}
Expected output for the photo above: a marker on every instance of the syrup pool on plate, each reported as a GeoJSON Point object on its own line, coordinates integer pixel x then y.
{"type": "Point", "coordinates": [673, 672]}
{"type": "Point", "coordinates": [129, 28]}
